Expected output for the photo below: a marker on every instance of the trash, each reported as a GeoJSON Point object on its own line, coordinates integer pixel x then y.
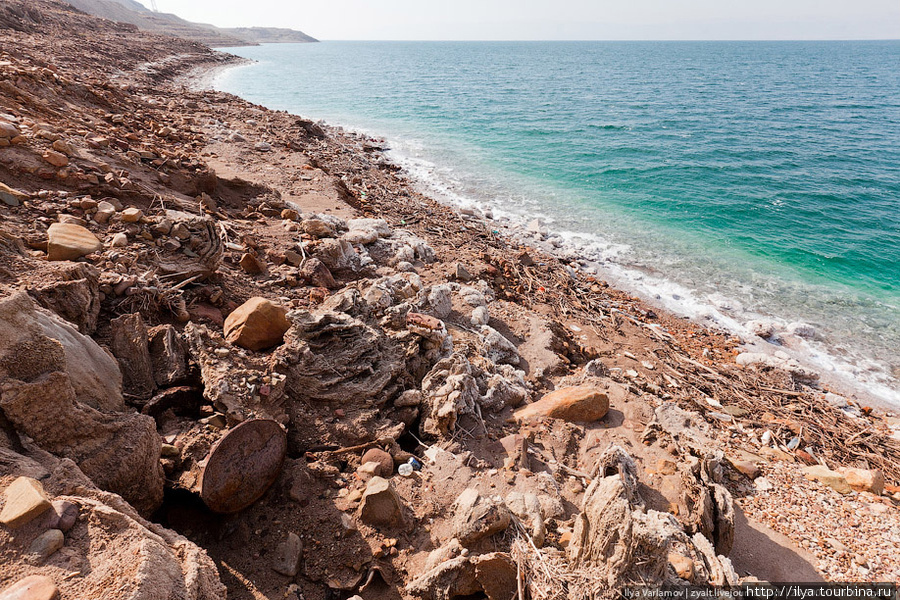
{"type": "Point", "coordinates": [405, 470]}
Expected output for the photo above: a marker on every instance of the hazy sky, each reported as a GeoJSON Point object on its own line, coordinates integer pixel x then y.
{"type": "Point", "coordinates": [555, 19]}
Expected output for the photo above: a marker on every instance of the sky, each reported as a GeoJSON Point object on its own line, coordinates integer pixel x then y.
{"type": "Point", "coordinates": [555, 19]}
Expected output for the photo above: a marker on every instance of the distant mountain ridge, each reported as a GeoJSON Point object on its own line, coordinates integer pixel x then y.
{"type": "Point", "coordinates": [130, 11]}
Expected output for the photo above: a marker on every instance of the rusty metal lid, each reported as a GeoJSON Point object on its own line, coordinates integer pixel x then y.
{"type": "Point", "coordinates": [242, 465]}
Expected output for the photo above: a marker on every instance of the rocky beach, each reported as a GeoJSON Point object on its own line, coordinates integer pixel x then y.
{"type": "Point", "coordinates": [243, 356]}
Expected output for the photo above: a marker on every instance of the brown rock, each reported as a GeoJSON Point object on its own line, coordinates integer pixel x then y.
{"type": "Point", "coordinates": [11, 197]}
{"type": "Point", "coordinates": [682, 565]}
{"type": "Point", "coordinates": [118, 451]}
{"type": "Point", "coordinates": [579, 403]}
{"type": "Point", "coordinates": [132, 215]}
{"type": "Point", "coordinates": [35, 342]}
{"type": "Point", "coordinates": [257, 324]}
{"type": "Point", "coordinates": [826, 476]}
{"type": "Point", "coordinates": [476, 517]}
{"type": "Point", "coordinates": [57, 159]}
{"type": "Point", "coordinates": [864, 480]}
{"type": "Point", "coordinates": [384, 460]}
{"type": "Point", "coordinates": [68, 242]}
{"type": "Point", "coordinates": [63, 147]}
{"type": "Point", "coordinates": [252, 265]}
{"type": "Point", "coordinates": [24, 499]}
{"type": "Point", "coordinates": [287, 556]}
{"type": "Point", "coordinates": [380, 503]}
{"type": "Point", "coordinates": [45, 545]}
{"type": "Point", "coordinates": [315, 271]}
{"type": "Point", "coordinates": [289, 214]}
{"type": "Point", "coordinates": [746, 467]}
{"type": "Point", "coordinates": [129, 344]}
{"type": "Point", "coordinates": [8, 130]}
{"type": "Point", "coordinates": [496, 573]}
{"type": "Point", "coordinates": [33, 587]}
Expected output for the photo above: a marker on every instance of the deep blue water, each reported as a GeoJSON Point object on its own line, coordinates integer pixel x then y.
{"type": "Point", "coordinates": [762, 177]}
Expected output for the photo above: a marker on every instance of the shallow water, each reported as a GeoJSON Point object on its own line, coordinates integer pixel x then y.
{"type": "Point", "coordinates": [729, 180]}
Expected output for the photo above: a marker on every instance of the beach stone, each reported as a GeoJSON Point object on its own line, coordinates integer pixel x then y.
{"type": "Point", "coordinates": [68, 242]}
{"type": "Point", "coordinates": [252, 265]}
{"type": "Point", "coordinates": [57, 159]}
{"type": "Point", "coordinates": [257, 324]}
{"type": "Point", "coordinates": [45, 545]}
{"type": "Point", "coordinates": [864, 480]}
{"type": "Point", "coordinates": [11, 197]}
{"type": "Point", "coordinates": [577, 403]}
{"type": "Point", "coordinates": [289, 214]}
{"type": "Point", "coordinates": [461, 273]}
{"type": "Point", "coordinates": [746, 467]}
{"type": "Point", "coordinates": [287, 556]}
{"type": "Point", "coordinates": [317, 228]}
{"type": "Point", "coordinates": [318, 275]}
{"type": "Point", "coordinates": [380, 503]}
{"type": "Point", "coordinates": [476, 517]}
{"type": "Point", "coordinates": [24, 500]}
{"type": "Point", "coordinates": [120, 240]}
{"type": "Point", "coordinates": [682, 565]}
{"type": "Point", "coordinates": [62, 515]}
{"type": "Point", "coordinates": [33, 587]}
{"type": "Point", "coordinates": [63, 147]}
{"type": "Point", "coordinates": [384, 460]}
{"type": "Point", "coordinates": [105, 212]}
{"type": "Point", "coordinates": [132, 215]}
{"type": "Point", "coordinates": [499, 349]}
{"type": "Point", "coordinates": [826, 476]}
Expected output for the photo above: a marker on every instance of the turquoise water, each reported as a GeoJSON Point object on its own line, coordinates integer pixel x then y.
{"type": "Point", "coordinates": [755, 179]}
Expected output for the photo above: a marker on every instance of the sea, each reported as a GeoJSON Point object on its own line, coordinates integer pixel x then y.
{"type": "Point", "coordinates": [725, 181]}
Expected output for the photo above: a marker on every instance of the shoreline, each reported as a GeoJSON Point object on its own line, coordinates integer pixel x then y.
{"type": "Point", "coordinates": [781, 347]}
{"type": "Point", "coordinates": [414, 345]}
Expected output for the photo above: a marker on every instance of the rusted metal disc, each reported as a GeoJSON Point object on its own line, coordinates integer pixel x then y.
{"type": "Point", "coordinates": [242, 465]}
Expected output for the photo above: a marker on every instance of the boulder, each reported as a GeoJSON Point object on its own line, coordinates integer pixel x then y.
{"type": "Point", "coordinates": [110, 543]}
{"type": "Point", "coordinates": [68, 242]}
{"type": "Point", "coordinates": [330, 356]}
{"type": "Point", "coordinates": [449, 390]}
{"type": "Point", "coordinates": [257, 324]}
{"type": "Point", "coordinates": [71, 290]}
{"type": "Point", "coordinates": [33, 587]}
{"type": "Point", "coordinates": [863, 480]}
{"type": "Point", "coordinates": [577, 403]}
{"type": "Point", "coordinates": [118, 451]}
{"type": "Point", "coordinates": [34, 342]}
{"type": "Point", "coordinates": [826, 476]}
{"type": "Point", "coordinates": [617, 540]}
{"type": "Point", "coordinates": [129, 344]}
{"type": "Point", "coordinates": [24, 500]}
{"type": "Point", "coordinates": [380, 505]}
